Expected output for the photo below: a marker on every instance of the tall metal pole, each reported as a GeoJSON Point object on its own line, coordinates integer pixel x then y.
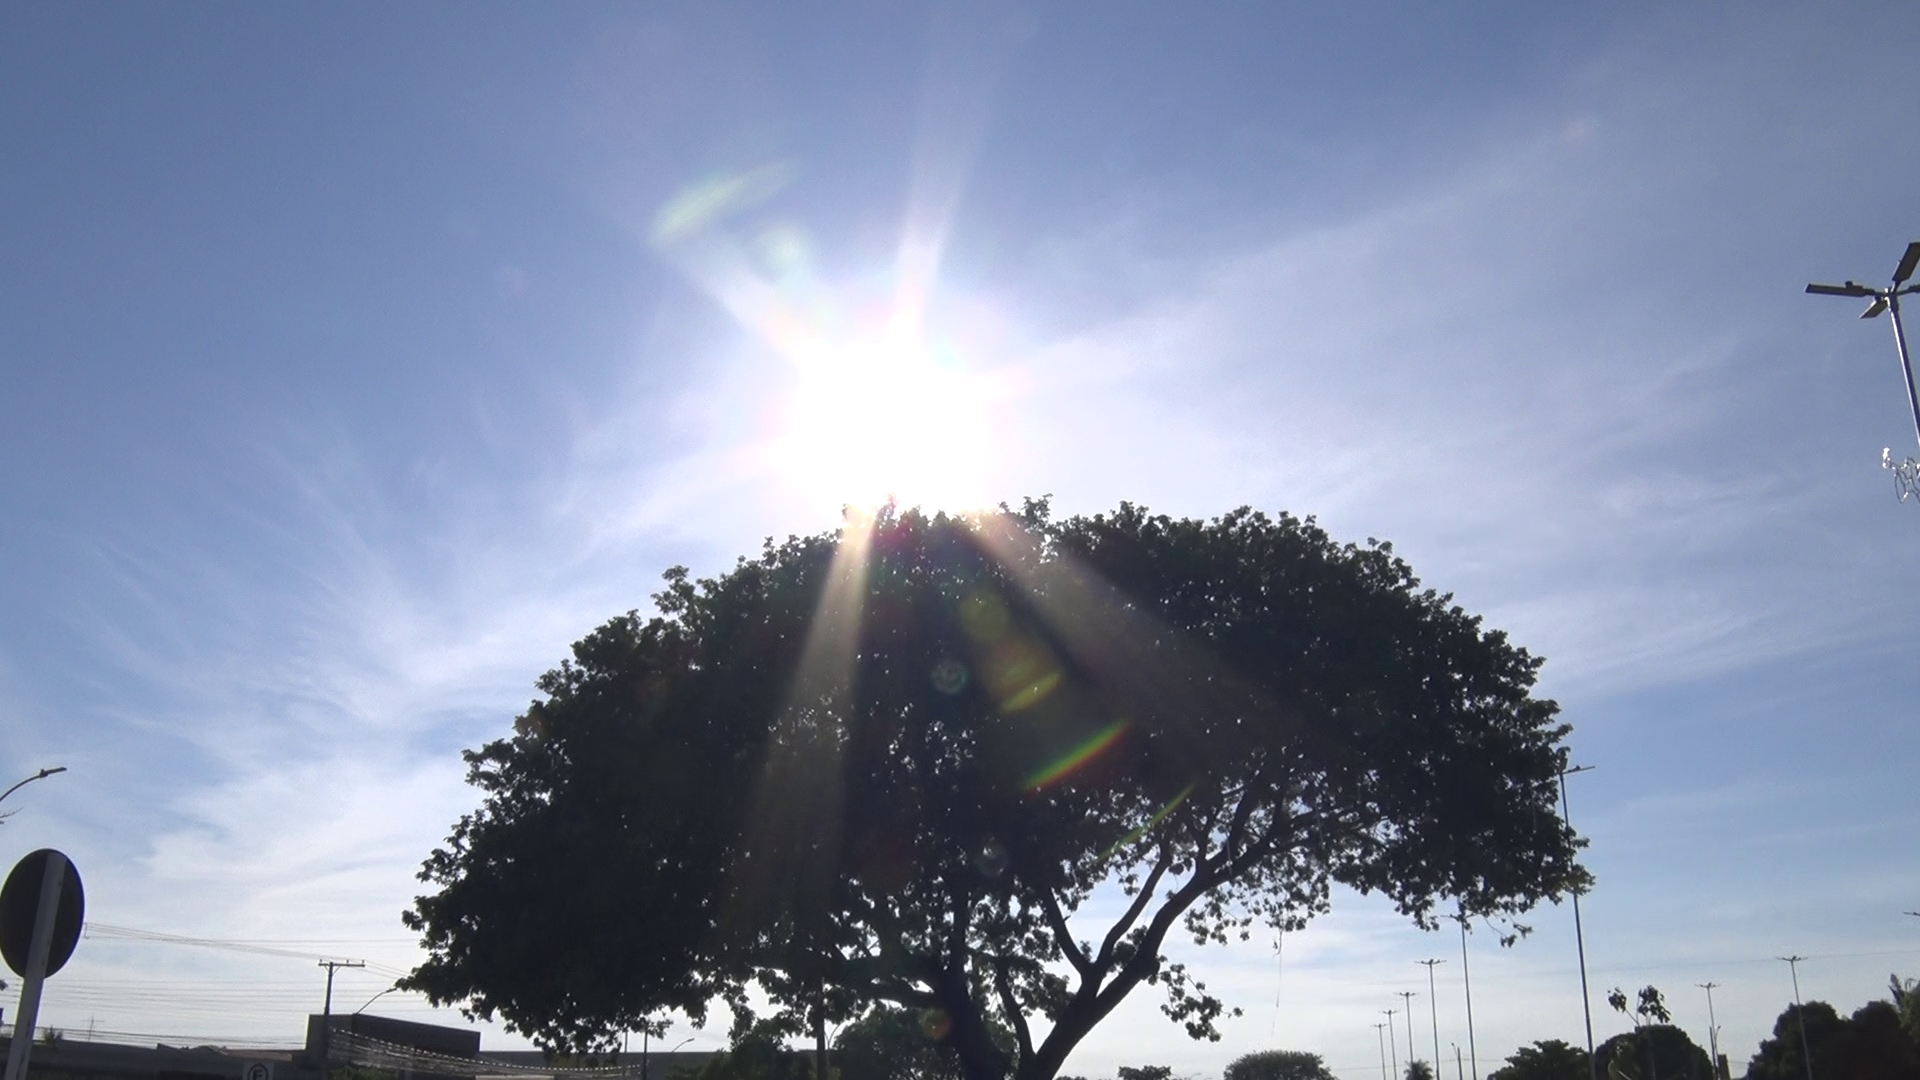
{"type": "Point", "coordinates": [1406, 999]}
{"type": "Point", "coordinates": [1391, 1041]}
{"type": "Point", "coordinates": [1713, 1026]}
{"type": "Point", "coordinates": [1381, 1039]}
{"type": "Point", "coordinates": [1906, 365]}
{"type": "Point", "coordinates": [1579, 934]}
{"type": "Point", "coordinates": [1466, 978]}
{"type": "Point", "coordinates": [1799, 1010]}
{"type": "Point", "coordinates": [1458, 1074]}
{"type": "Point", "coordinates": [1433, 1008]}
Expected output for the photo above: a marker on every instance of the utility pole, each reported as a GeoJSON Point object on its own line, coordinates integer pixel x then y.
{"type": "Point", "coordinates": [1381, 1039]}
{"type": "Point", "coordinates": [1391, 1042]}
{"type": "Point", "coordinates": [1466, 977]}
{"type": "Point", "coordinates": [1800, 1011]}
{"type": "Point", "coordinates": [1406, 999]}
{"type": "Point", "coordinates": [1713, 1026]}
{"type": "Point", "coordinates": [326, 1012]}
{"type": "Point", "coordinates": [1579, 934]}
{"type": "Point", "coordinates": [1458, 1072]}
{"type": "Point", "coordinates": [1433, 1010]}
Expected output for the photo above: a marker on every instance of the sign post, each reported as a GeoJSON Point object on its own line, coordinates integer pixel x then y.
{"type": "Point", "coordinates": [41, 909]}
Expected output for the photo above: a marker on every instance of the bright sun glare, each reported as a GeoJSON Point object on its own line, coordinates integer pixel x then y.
{"type": "Point", "coordinates": [885, 418]}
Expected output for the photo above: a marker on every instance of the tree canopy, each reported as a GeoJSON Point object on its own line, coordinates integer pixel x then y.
{"type": "Point", "coordinates": [894, 763]}
{"type": "Point", "coordinates": [1278, 1065]}
{"type": "Point", "coordinates": [1869, 1045]}
{"type": "Point", "coordinates": [1548, 1059]}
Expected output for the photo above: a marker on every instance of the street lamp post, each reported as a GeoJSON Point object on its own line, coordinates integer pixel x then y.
{"type": "Point", "coordinates": [1906, 473]}
{"type": "Point", "coordinates": [1466, 979]}
{"type": "Point", "coordinates": [1800, 1011]}
{"type": "Point", "coordinates": [1713, 1026]}
{"type": "Point", "coordinates": [1382, 1040]}
{"type": "Point", "coordinates": [1433, 1011]}
{"type": "Point", "coordinates": [1579, 933]}
{"type": "Point", "coordinates": [41, 775]}
{"type": "Point", "coordinates": [1406, 999]}
{"type": "Point", "coordinates": [1392, 1043]}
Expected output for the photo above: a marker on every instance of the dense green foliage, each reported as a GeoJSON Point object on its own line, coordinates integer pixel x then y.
{"type": "Point", "coordinates": [1870, 1045]}
{"type": "Point", "coordinates": [892, 1043]}
{"type": "Point", "coordinates": [893, 767]}
{"type": "Point", "coordinates": [1548, 1059]}
{"type": "Point", "coordinates": [1653, 1052]}
{"type": "Point", "coordinates": [1278, 1065]}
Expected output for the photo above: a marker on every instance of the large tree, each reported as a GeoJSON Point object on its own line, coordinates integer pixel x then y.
{"type": "Point", "coordinates": [1278, 1065]}
{"type": "Point", "coordinates": [1870, 1045]}
{"type": "Point", "coordinates": [1548, 1059]}
{"type": "Point", "coordinates": [897, 762]}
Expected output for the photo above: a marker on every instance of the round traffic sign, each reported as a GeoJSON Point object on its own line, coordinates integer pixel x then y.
{"type": "Point", "coordinates": [20, 903]}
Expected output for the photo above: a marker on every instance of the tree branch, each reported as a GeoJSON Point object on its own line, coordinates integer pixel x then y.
{"type": "Point", "coordinates": [1057, 922]}
{"type": "Point", "coordinates": [1007, 1005]}
{"type": "Point", "coordinates": [1145, 896]}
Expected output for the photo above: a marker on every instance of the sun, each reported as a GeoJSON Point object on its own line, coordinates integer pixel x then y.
{"type": "Point", "coordinates": [886, 419]}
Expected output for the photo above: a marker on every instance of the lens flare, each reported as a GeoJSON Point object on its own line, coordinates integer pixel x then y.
{"type": "Point", "coordinates": [1078, 757]}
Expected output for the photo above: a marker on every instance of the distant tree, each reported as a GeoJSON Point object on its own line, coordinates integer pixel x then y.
{"type": "Point", "coordinates": [1655, 1049]}
{"type": "Point", "coordinates": [1653, 1052]}
{"type": "Point", "coordinates": [1906, 999]}
{"type": "Point", "coordinates": [757, 1053]}
{"type": "Point", "coordinates": [1870, 1045]}
{"type": "Point", "coordinates": [896, 763]}
{"type": "Point", "coordinates": [1548, 1059]}
{"type": "Point", "coordinates": [1146, 1072]}
{"type": "Point", "coordinates": [1419, 1070]}
{"type": "Point", "coordinates": [892, 1043]}
{"type": "Point", "coordinates": [1278, 1065]}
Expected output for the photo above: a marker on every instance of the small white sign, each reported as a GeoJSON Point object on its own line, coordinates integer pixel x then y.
{"type": "Point", "coordinates": [257, 1070]}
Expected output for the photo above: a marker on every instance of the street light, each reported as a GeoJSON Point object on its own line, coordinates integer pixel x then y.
{"type": "Point", "coordinates": [1392, 1043]}
{"type": "Point", "coordinates": [1713, 1026]}
{"type": "Point", "coordinates": [376, 997]}
{"type": "Point", "coordinates": [1433, 1011]}
{"type": "Point", "coordinates": [1906, 474]}
{"type": "Point", "coordinates": [1579, 934]}
{"type": "Point", "coordinates": [1799, 1010]}
{"type": "Point", "coordinates": [1406, 998]}
{"type": "Point", "coordinates": [41, 775]}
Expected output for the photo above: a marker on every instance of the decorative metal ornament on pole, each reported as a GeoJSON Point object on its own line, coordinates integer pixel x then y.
{"type": "Point", "coordinates": [1906, 473]}
{"type": "Point", "coordinates": [42, 907]}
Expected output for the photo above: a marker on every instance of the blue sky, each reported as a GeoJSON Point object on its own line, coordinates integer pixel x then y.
{"type": "Point", "coordinates": [359, 358]}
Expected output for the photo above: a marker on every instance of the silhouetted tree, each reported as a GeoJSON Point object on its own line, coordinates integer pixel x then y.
{"type": "Point", "coordinates": [892, 1043]}
{"type": "Point", "coordinates": [892, 765]}
{"type": "Point", "coordinates": [1278, 1065]}
{"type": "Point", "coordinates": [1548, 1059]}
{"type": "Point", "coordinates": [1655, 1049]}
{"type": "Point", "coordinates": [1653, 1052]}
{"type": "Point", "coordinates": [1871, 1045]}
{"type": "Point", "coordinates": [1419, 1070]}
